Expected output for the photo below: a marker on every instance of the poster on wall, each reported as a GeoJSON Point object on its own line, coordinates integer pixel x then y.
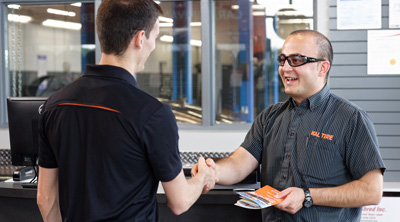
{"type": "Point", "coordinates": [394, 14]}
{"type": "Point", "coordinates": [383, 52]}
{"type": "Point", "coordinates": [386, 210]}
{"type": "Point", "coordinates": [359, 14]}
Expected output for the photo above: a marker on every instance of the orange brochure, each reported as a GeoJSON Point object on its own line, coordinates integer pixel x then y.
{"type": "Point", "coordinates": [261, 198]}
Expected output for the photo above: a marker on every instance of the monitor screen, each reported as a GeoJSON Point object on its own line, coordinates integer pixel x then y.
{"type": "Point", "coordinates": [23, 123]}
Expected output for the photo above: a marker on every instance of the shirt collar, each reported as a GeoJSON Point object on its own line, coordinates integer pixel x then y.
{"type": "Point", "coordinates": [110, 72]}
{"type": "Point", "coordinates": [316, 100]}
{"type": "Point", "coordinates": [319, 98]}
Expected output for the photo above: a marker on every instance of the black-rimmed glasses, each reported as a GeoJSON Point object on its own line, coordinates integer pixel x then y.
{"type": "Point", "coordinates": [296, 60]}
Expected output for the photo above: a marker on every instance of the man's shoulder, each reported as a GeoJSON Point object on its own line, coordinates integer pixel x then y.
{"type": "Point", "coordinates": [345, 104]}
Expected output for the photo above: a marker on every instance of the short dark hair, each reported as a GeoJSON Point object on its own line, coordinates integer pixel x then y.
{"type": "Point", "coordinates": [325, 50]}
{"type": "Point", "coordinates": [118, 21]}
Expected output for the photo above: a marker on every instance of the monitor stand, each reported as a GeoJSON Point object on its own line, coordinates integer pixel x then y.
{"type": "Point", "coordinates": [26, 173]}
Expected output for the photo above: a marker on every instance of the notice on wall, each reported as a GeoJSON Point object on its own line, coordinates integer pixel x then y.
{"type": "Point", "coordinates": [394, 14]}
{"type": "Point", "coordinates": [386, 210]}
{"type": "Point", "coordinates": [383, 52]}
{"type": "Point", "coordinates": [359, 14]}
{"type": "Point", "coordinates": [41, 65]}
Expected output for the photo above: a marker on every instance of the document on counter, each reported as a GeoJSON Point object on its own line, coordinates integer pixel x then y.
{"type": "Point", "coordinates": [261, 198]}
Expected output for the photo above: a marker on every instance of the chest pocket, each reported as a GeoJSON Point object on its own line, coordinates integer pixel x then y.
{"type": "Point", "coordinates": [323, 160]}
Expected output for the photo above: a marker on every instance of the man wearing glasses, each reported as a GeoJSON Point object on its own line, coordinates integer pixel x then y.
{"type": "Point", "coordinates": [319, 149]}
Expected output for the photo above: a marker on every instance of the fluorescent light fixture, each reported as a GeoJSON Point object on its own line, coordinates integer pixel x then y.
{"type": "Point", "coordinates": [158, 2]}
{"type": "Point", "coordinates": [19, 18]}
{"type": "Point", "coordinates": [254, 7]}
{"type": "Point", "coordinates": [167, 38]}
{"type": "Point", "coordinates": [259, 13]}
{"type": "Point", "coordinates": [170, 39]}
{"type": "Point", "coordinates": [88, 46]}
{"type": "Point", "coordinates": [259, 7]}
{"type": "Point", "coordinates": [166, 24]}
{"type": "Point", "coordinates": [13, 6]}
{"type": "Point", "coordinates": [78, 4]}
{"type": "Point", "coordinates": [60, 12]}
{"type": "Point", "coordinates": [165, 19]}
{"type": "Point", "coordinates": [195, 43]}
{"type": "Point", "coordinates": [62, 24]}
{"type": "Point", "coordinates": [195, 24]}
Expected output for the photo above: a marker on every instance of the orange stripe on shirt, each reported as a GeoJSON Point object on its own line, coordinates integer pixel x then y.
{"type": "Point", "coordinates": [92, 106]}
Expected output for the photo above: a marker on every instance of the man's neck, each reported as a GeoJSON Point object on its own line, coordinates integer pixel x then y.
{"type": "Point", "coordinates": [113, 60]}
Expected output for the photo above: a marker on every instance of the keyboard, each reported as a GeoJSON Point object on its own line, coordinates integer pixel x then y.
{"type": "Point", "coordinates": [189, 159]}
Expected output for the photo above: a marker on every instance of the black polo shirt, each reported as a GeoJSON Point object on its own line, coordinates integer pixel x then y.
{"type": "Point", "coordinates": [112, 144]}
{"type": "Point", "coordinates": [326, 141]}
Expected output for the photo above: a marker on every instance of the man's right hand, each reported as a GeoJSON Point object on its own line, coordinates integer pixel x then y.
{"type": "Point", "coordinates": [208, 167]}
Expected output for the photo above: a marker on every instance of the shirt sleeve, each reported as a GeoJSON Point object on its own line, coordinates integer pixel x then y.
{"type": "Point", "coordinates": [47, 158]}
{"type": "Point", "coordinates": [362, 148]}
{"type": "Point", "coordinates": [253, 141]}
{"type": "Point", "coordinates": [160, 139]}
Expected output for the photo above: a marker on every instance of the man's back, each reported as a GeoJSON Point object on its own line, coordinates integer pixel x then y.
{"type": "Point", "coordinates": [101, 131]}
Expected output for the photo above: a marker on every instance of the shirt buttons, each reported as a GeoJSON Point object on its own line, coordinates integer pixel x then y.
{"type": "Point", "coordinates": [288, 156]}
{"type": "Point", "coordinates": [284, 177]}
{"type": "Point", "coordinates": [292, 134]}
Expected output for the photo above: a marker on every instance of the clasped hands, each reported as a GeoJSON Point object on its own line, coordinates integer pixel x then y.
{"type": "Point", "coordinates": [206, 167]}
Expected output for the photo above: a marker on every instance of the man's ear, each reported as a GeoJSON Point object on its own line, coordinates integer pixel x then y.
{"type": "Point", "coordinates": [324, 68]}
{"type": "Point", "coordinates": [139, 38]}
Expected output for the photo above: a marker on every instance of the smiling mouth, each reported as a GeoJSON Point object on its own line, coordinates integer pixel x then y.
{"type": "Point", "coordinates": [291, 79]}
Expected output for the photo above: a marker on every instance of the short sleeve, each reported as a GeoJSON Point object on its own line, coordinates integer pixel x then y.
{"type": "Point", "coordinates": [253, 141]}
{"type": "Point", "coordinates": [47, 158]}
{"type": "Point", "coordinates": [362, 148]}
{"type": "Point", "coordinates": [160, 139]}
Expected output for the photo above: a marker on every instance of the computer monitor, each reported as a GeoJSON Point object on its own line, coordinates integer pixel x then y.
{"type": "Point", "coordinates": [23, 123]}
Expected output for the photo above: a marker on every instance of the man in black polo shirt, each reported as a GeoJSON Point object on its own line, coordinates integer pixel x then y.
{"type": "Point", "coordinates": [319, 149]}
{"type": "Point", "coordinates": [105, 144]}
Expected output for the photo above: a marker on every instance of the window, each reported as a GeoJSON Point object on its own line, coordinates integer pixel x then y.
{"type": "Point", "coordinates": [249, 34]}
{"type": "Point", "coordinates": [173, 71]}
{"type": "Point", "coordinates": [48, 46]}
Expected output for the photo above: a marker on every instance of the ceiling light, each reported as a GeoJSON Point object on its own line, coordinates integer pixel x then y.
{"type": "Point", "coordinates": [78, 4]}
{"type": "Point", "coordinates": [195, 24]}
{"type": "Point", "coordinates": [170, 39]}
{"type": "Point", "coordinates": [19, 18]}
{"type": "Point", "coordinates": [258, 13]}
{"type": "Point", "coordinates": [165, 19]}
{"type": "Point", "coordinates": [60, 12]}
{"type": "Point", "coordinates": [167, 38]}
{"type": "Point", "coordinates": [62, 24]}
{"type": "Point", "coordinates": [166, 24]}
{"type": "Point", "coordinates": [14, 6]}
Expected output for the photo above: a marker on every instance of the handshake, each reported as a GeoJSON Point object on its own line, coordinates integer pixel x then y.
{"type": "Point", "coordinates": [205, 170]}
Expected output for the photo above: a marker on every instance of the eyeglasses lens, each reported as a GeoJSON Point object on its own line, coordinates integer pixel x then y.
{"type": "Point", "coordinates": [293, 60]}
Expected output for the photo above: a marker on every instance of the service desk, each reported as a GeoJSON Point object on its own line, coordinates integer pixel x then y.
{"type": "Point", "coordinates": [17, 204]}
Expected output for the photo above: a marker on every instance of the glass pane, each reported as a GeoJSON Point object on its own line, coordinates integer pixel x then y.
{"type": "Point", "coordinates": [48, 46]}
{"type": "Point", "coordinates": [249, 36]}
{"type": "Point", "coordinates": [172, 72]}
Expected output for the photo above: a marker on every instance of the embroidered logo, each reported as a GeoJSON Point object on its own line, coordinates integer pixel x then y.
{"type": "Point", "coordinates": [322, 135]}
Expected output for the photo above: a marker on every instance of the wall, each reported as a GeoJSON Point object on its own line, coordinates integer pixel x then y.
{"type": "Point", "coordinates": [379, 95]}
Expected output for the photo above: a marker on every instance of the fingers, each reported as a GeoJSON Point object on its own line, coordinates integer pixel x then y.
{"type": "Point", "coordinates": [194, 170]}
{"type": "Point", "coordinates": [293, 202]}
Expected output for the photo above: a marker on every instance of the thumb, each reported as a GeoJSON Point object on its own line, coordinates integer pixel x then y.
{"type": "Point", "coordinates": [210, 162]}
{"type": "Point", "coordinates": [282, 194]}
